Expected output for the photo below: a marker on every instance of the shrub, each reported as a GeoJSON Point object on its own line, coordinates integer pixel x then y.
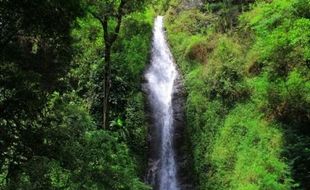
{"type": "Point", "coordinates": [247, 152]}
{"type": "Point", "coordinates": [224, 73]}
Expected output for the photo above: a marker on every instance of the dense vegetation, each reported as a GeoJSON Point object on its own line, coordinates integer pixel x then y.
{"type": "Point", "coordinates": [51, 97]}
{"type": "Point", "coordinates": [246, 71]}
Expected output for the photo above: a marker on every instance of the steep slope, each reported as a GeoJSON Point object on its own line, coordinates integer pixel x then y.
{"type": "Point", "coordinates": [246, 69]}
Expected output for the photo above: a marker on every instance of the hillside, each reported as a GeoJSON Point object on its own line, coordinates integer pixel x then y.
{"type": "Point", "coordinates": [246, 70]}
{"type": "Point", "coordinates": [108, 95]}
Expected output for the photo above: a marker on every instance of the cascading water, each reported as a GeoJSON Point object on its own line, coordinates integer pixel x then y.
{"type": "Point", "coordinates": [161, 76]}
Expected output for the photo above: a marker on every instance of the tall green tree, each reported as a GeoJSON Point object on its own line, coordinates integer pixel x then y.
{"type": "Point", "coordinates": [110, 13]}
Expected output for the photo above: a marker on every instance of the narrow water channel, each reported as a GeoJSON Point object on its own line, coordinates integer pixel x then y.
{"type": "Point", "coordinates": [161, 77]}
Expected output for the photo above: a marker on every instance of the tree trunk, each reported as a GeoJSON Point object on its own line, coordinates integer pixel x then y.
{"type": "Point", "coordinates": [12, 177]}
{"type": "Point", "coordinates": [107, 86]}
{"type": "Point", "coordinates": [109, 39]}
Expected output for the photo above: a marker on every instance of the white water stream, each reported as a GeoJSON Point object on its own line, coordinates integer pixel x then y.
{"type": "Point", "coordinates": [161, 77]}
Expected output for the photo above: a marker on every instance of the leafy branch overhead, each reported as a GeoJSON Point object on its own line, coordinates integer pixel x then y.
{"type": "Point", "coordinates": [111, 13]}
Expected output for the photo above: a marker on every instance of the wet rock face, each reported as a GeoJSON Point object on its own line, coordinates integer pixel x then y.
{"type": "Point", "coordinates": [180, 140]}
{"type": "Point", "coordinates": [191, 4]}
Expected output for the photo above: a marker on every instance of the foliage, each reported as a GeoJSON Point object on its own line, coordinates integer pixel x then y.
{"type": "Point", "coordinates": [246, 153]}
{"type": "Point", "coordinates": [246, 72]}
{"type": "Point", "coordinates": [248, 99]}
{"type": "Point", "coordinates": [51, 73]}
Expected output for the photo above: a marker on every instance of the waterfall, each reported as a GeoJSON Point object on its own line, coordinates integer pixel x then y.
{"type": "Point", "coordinates": [161, 77]}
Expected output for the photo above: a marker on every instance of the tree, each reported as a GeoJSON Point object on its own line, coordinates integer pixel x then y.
{"type": "Point", "coordinates": [35, 51]}
{"type": "Point", "coordinates": [110, 14]}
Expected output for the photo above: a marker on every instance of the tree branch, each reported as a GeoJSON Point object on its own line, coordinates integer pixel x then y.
{"type": "Point", "coordinates": [96, 16]}
{"type": "Point", "coordinates": [104, 23]}
{"type": "Point", "coordinates": [106, 34]}
{"type": "Point", "coordinates": [119, 18]}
